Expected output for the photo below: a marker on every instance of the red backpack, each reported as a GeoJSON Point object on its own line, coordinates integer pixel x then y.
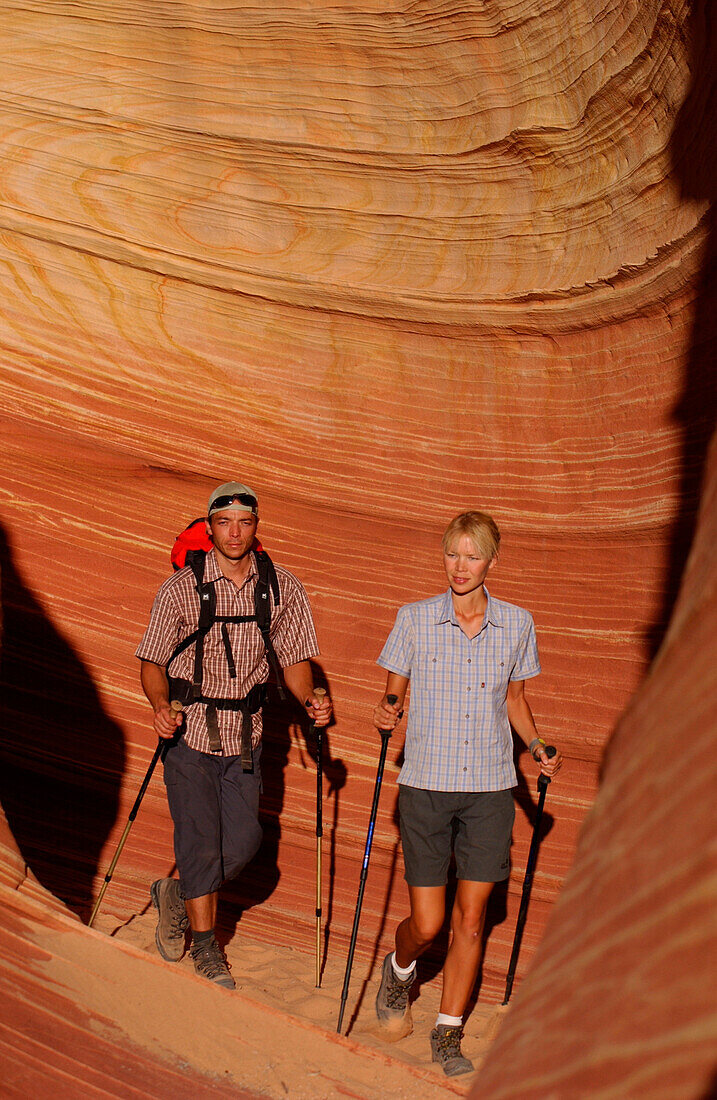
{"type": "Point", "coordinates": [195, 537]}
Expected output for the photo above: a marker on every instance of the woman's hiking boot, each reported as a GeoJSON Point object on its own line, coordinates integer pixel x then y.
{"type": "Point", "coordinates": [172, 921]}
{"type": "Point", "coordinates": [446, 1050]}
{"type": "Point", "coordinates": [392, 1008]}
{"type": "Point", "coordinates": [210, 963]}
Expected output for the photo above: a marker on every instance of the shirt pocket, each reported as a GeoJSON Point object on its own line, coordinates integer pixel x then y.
{"type": "Point", "coordinates": [493, 678]}
{"type": "Point", "coordinates": [434, 670]}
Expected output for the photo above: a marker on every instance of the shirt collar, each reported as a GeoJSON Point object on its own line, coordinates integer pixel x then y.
{"type": "Point", "coordinates": [445, 612]}
{"type": "Point", "coordinates": [212, 572]}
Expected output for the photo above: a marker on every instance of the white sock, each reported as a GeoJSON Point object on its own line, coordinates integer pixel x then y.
{"type": "Point", "coordinates": [449, 1021]}
{"type": "Point", "coordinates": [403, 972]}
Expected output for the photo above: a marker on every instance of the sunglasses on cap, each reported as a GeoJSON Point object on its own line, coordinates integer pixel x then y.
{"type": "Point", "coordinates": [226, 502]}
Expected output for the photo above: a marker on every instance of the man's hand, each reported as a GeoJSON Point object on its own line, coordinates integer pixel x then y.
{"type": "Point", "coordinates": [166, 719]}
{"type": "Point", "coordinates": [167, 716]}
{"type": "Point", "coordinates": [318, 707]}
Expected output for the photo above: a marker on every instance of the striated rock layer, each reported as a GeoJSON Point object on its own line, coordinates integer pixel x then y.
{"type": "Point", "coordinates": [624, 985]}
{"type": "Point", "coordinates": [382, 263]}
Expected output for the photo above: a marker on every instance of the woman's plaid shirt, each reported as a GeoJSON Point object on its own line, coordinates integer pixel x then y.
{"type": "Point", "coordinates": [458, 735]}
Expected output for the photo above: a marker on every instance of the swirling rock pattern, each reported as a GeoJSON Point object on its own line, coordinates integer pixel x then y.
{"type": "Point", "coordinates": [383, 262]}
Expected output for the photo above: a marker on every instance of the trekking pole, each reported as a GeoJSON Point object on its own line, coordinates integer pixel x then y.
{"type": "Point", "coordinates": [162, 746]}
{"type": "Point", "coordinates": [319, 730]}
{"type": "Point", "coordinates": [543, 782]}
{"type": "Point", "coordinates": [385, 737]}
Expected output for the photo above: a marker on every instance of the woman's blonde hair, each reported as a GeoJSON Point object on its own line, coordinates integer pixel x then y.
{"type": "Point", "coordinates": [480, 528]}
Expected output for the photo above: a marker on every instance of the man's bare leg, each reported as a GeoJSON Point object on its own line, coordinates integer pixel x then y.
{"type": "Point", "coordinates": [202, 912]}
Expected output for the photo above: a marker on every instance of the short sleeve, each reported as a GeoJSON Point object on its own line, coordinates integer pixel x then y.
{"type": "Point", "coordinates": [527, 663]}
{"type": "Point", "coordinates": [164, 630]}
{"type": "Point", "coordinates": [398, 653]}
{"type": "Point", "coordinates": [293, 633]}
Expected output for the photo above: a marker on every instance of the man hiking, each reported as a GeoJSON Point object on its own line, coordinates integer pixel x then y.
{"type": "Point", "coordinates": [210, 645]}
{"type": "Point", "coordinates": [467, 656]}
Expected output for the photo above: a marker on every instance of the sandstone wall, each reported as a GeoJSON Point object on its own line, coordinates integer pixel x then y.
{"type": "Point", "coordinates": [382, 263]}
{"type": "Point", "coordinates": [621, 997]}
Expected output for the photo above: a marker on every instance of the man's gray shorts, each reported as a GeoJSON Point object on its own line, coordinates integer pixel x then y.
{"type": "Point", "coordinates": [477, 825]}
{"type": "Point", "coordinates": [215, 810]}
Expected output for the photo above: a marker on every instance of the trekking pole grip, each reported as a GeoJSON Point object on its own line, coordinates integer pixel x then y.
{"type": "Point", "coordinates": [318, 730]}
{"type": "Point", "coordinates": [392, 699]}
{"type": "Point", "coordinates": [543, 780]}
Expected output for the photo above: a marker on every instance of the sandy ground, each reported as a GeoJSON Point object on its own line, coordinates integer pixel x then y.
{"type": "Point", "coordinates": [283, 980]}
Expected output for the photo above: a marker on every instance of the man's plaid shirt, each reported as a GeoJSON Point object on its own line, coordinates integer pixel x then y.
{"type": "Point", "coordinates": [458, 735]}
{"type": "Point", "coordinates": [175, 614]}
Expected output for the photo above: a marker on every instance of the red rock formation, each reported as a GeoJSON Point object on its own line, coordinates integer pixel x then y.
{"type": "Point", "coordinates": [622, 994]}
{"type": "Point", "coordinates": [382, 264]}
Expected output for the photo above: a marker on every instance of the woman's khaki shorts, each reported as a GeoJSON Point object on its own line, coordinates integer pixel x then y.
{"type": "Point", "coordinates": [478, 826]}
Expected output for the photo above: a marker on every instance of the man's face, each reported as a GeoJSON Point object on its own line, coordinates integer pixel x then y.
{"type": "Point", "coordinates": [465, 568]}
{"type": "Point", "coordinates": [232, 532]}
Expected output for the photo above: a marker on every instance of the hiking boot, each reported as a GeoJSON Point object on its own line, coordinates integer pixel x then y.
{"type": "Point", "coordinates": [209, 962]}
{"type": "Point", "coordinates": [172, 921]}
{"type": "Point", "coordinates": [446, 1050]}
{"type": "Point", "coordinates": [392, 1008]}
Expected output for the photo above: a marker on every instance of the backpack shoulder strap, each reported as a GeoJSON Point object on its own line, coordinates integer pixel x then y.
{"type": "Point", "coordinates": [267, 582]}
{"type": "Point", "coordinates": [207, 614]}
{"type": "Point", "coordinates": [267, 585]}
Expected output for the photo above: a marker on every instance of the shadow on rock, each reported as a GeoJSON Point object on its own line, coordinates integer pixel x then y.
{"type": "Point", "coordinates": [61, 756]}
{"type": "Point", "coordinates": [693, 153]}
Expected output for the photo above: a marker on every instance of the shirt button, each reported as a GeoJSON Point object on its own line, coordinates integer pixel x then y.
{"type": "Point", "coordinates": [465, 742]}
{"type": "Point", "coordinates": [468, 689]}
{"type": "Point", "coordinates": [469, 661]}
{"type": "Point", "coordinates": [465, 769]}
{"type": "Point", "coordinates": [434, 660]}
{"type": "Point", "coordinates": [467, 715]}
{"type": "Point", "coordinates": [482, 685]}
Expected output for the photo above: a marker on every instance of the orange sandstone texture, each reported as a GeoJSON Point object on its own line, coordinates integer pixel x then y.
{"type": "Point", "coordinates": [382, 263]}
{"type": "Point", "coordinates": [621, 997]}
